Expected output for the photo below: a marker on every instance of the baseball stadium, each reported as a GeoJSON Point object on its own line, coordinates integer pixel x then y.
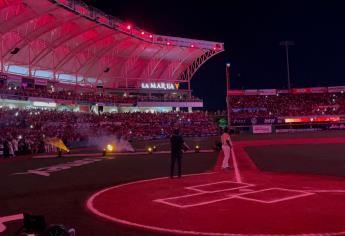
{"type": "Point", "coordinates": [91, 107]}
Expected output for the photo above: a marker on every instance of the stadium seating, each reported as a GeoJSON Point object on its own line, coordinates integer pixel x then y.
{"type": "Point", "coordinates": [27, 129]}
{"type": "Point", "coordinates": [283, 105]}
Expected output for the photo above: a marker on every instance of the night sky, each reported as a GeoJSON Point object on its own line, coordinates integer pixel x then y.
{"type": "Point", "coordinates": [251, 31]}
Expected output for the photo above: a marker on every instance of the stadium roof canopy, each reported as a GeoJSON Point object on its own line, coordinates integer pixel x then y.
{"type": "Point", "coordinates": [70, 42]}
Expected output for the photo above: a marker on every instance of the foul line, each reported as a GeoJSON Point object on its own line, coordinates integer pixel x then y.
{"type": "Point", "coordinates": [237, 171]}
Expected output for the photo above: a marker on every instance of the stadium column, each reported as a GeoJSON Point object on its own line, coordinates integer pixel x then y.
{"type": "Point", "coordinates": [53, 61]}
{"type": "Point", "coordinates": [227, 71]}
{"type": "Point", "coordinates": [76, 83]}
{"type": "Point", "coordinates": [30, 67]}
{"type": "Point", "coordinates": [1, 52]}
{"type": "Point", "coordinates": [189, 90]}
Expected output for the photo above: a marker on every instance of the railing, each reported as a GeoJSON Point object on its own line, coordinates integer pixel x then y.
{"type": "Point", "coordinates": [87, 101]}
{"type": "Point", "coordinates": [169, 100]}
{"type": "Point", "coordinates": [100, 17]}
{"type": "Point", "coordinates": [13, 95]}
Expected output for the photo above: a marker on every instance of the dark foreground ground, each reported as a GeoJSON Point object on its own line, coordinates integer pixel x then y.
{"type": "Point", "coordinates": [61, 196]}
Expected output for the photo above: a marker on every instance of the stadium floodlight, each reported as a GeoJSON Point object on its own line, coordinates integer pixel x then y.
{"type": "Point", "coordinates": [287, 44]}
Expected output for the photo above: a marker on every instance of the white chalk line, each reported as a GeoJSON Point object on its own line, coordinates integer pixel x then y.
{"type": "Point", "coordinates": [237, 171]}
{"type": "Point", "coordinates": [8, 219]}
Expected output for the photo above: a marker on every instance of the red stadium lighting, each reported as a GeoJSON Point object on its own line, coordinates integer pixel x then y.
{"type": "Point", "coordinates": [142, 32]}
{"type": "Point", "coordinates": [192, 46]}
{"type": "Point", "coordinates": [151, 36]}
{"type": "Point", "coordinates": [129, 27]}
{"type": "Point", "coordinates": [65, 2]}
{"type": "Point", "coordinates": [168, 43]}
{"type": "Point", "coordinates": [214, 49]}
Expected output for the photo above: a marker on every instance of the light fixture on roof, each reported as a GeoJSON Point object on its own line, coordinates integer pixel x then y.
{"type": "Point", "coordinates": [214, 49]}
{"type": "Point", "coordinates": [15, 51]}
{"type": "Point", "coordinates": [142, 32]}
{"type": "Point", "coordinates": [192, 46]}
{"type": "Point", "coordinates": [129, 27]}
{"type": "Point", "coordinates": [151, 36]}
{"type": "Point", "coordinates": [168, 43]}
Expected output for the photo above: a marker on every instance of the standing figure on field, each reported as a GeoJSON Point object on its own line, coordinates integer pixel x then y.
{"type": "Point", "coordinates": [226, 147]}
{"type": "Point", "coordinates": [177, 147]}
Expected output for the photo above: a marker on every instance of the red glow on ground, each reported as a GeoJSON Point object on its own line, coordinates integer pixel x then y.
{"type": "Point", "coordinates": [216, 204]}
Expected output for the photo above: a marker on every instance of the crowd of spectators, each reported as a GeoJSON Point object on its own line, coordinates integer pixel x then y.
{"type": "Point", "coordinates": [89, 96]}
{"type": "Point", "coordinates": [30, 128]}
{"type": "Point", "coordinates": [65, 94]}
{"type": "Point", "coordinates": [283, 105]}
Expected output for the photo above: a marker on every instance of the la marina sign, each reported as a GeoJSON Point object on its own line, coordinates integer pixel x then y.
{"type": "Point", "coordinates": [160, 86]}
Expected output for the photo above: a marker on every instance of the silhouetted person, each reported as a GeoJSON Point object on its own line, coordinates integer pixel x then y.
{"type": "Point", "coordinates": [177, 146]}
{"type": "Point", "coordinates": [6, 148]}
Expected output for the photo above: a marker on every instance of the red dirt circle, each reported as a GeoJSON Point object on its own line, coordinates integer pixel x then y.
{"type": "Point", "coordinates": [215, 204]}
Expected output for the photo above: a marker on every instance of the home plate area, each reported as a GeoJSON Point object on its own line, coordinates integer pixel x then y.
{"type": "Point", "coordinates": [215, 204]}
{"type": "Point", "coordinates": [226, 190]}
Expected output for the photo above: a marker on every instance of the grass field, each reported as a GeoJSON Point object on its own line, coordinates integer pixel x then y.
{"type": "Point", "coordinates": [319, 159]}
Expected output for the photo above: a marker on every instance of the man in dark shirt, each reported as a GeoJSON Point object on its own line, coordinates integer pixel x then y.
{"type": "Point", "coordinates": [6, 148]}
{"type": "Point", "coordinates": [177, 145]}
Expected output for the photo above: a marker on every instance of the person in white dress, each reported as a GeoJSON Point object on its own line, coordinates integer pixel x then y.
{"type": "Point", "coordinates": [226, 147]}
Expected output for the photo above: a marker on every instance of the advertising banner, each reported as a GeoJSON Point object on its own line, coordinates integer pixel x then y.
{"type": "Point", "coordinates": [41, 82]}
{"type": "Point", "coordinates": [235, 92]}
{"type": "Point", "coordinates": [282, 91]}
{"type": "Point", "coordinates": [262, 129]}
{"type": "Point", "coordinates": [251, 92]}
{"type": "Point", "coordinates": [255, 121]}
{"type": "Point", "coordinates": [3, 77]}
{"type": "Point", "coordinates": [337, 89]}
{"type": "Point", "coordinates": [319, 90]}
{"type": "Point", "coordinates": [64, 102]}
{"type": "Point", "coordinates": [16, 79]}
{"type": "Point", "coordinates": [300, 90]}
{"type": "Point", "coordinates": [267, 92]}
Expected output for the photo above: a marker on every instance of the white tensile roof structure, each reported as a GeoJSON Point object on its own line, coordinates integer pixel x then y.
{"type": "Point", "coordinates": [69, 42]}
